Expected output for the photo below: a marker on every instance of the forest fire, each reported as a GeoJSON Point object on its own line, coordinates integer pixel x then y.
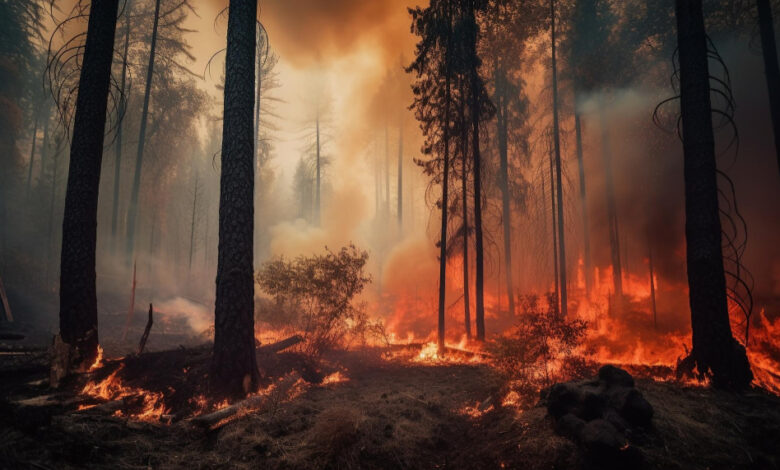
{"type": "Point", "coordinates": [382, 234]}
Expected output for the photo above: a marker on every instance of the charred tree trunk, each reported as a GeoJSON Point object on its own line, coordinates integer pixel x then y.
{"type": "Point", "coordinates": [32, 151]}
{"type": "Point", "coordinates": [502, 131]}
{"type": "Point", "coordinates": [445, 188]}
{"type": "Point", "coordinates": [118, 146]}
{"type": "Point", "coordinates": [234, 366]}
{"type": "Point", "coordinates": [588, 266]}
{"type": "Point", "coordinates": [318, 201]}
{"type": "Point", "coordinates": [556, 290]}
{"type": "Point", "coordinates": [714, 350]}
{"type": "Point", "coordinates": [132, 213]}
{"type": "Point", "coordinates": [612, 219]}
{"type": "Point", "coordinates": [475, 117]}
{"type": "Point", "coordinates": [769, 49]}
{"type": "Point", "coordinates": [652, 283]}
{"type": "Point", "coordinates": [558, 172]}
{"type": "Point", "coordinates": [192, 220]}
{"type": "Point", "coordinates": [400, 202]}
{"type": "Point", "coordinates": [78, 296]}
{"type": "Point", "coordinates": [464, 178]}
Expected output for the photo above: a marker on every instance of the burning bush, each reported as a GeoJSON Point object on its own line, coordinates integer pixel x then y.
{"type": "Point", "coordinates": [316, 296]}
{"type": "Point", "coordinates": [539, 350]}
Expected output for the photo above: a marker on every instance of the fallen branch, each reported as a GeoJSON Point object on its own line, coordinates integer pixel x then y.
{"type": "Point", "coordinates": [146, 331]}
{"type": "Point", "coordinates": [280, 345]}
{"type": "Point", "coordinates": [212, 420]}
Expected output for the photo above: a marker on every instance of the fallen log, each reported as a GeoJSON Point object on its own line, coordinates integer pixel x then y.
{"type": "Point", "coordinates": [146, 331]}
{"type": "Point", "coordinates": [280, 345]}
{"type": "Point", "coordinates": [254, 403]}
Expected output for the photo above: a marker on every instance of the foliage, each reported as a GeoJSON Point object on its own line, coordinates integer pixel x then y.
{"type": "Point", "coordinates": [316, 296]}
{"type": "Point", "coordinates": [540, 349]}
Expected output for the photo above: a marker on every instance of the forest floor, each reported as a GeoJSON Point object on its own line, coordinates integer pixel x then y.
{"type": "Point", "coordinates": [381, 413]}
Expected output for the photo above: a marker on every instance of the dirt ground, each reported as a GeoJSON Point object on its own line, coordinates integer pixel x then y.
{"type": "Point", "coordinates": [387, 414]}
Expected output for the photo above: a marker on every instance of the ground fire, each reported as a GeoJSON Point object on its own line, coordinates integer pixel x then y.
{"type": "Point", "coordinates": [457, 234]}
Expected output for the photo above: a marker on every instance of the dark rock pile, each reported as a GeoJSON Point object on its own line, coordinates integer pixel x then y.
{"type": "Point", "coordinates": [601, 415]}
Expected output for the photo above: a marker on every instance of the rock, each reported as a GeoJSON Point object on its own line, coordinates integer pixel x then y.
{"type": "Point", "coordinates": [615, 376]}
{"type": "Point", "coordinates": [600, 436]}
{"type": "Point", "coordinates": [562, 399]}
{"type": "Point", "coordinates": [570, 426]}
{"type": "Point", "coordinates": [636, 409]}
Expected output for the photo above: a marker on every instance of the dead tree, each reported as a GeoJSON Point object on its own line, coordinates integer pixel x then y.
{"type": "Point", "coordinates": [118, 144]}
{"type": "Point", "coordinates": [78, 295]}
{"type": "Point", "coordinates": [132, 213]}
{"type": "Point", "coordinates": [715, 351]}
{"type": "Point", "coordinates": [234, 366]}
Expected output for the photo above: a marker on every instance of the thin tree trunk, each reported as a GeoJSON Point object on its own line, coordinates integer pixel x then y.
{"type": "Point", "coordinates": [32, 153]}
{"type": "Point", "coordinates": [478, 245]}
{"type": "Point", "coordinates": [118, 145]}
{"type": "Point", "coordinates": [400, 203]}
{"type": "Point", "coordinates": [387, 172]}
{"type": "Point", "coordinates": [769, 49]}
{"type": "Point", "coordinates": [234, 366]}
{"type": "Point", "coordinates": [652, 283]}
{"type": "Point", "coordinates": [558, 173]}
{"type": "Point", "coordinates": [584, 202]}
{"type": "Point", "coordinates": [714, 348]}
{"type": "Point", "coordinates": [557, 306]}
{"type": "Point", "coordinates": [318, 200]}
{"type": "Point", "coordinates": [464, 189]}
{"type": "Point", "coordinates": [78, 295]}
{"type": "Point", "coordinates": [445, 189]}
{"type": "Point", "coordinates": [502, 131]}
{"type": "Point", "coordinates": [612, 219]}
{"type": "Point", "coordinates": [192, 220]}
{"type": "Point", "coordinates": [132, 213]}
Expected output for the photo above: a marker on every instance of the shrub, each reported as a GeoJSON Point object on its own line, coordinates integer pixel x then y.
{"type": "Point", "coordinates": [316, 296]}
{"type": "Point", "coordinates": [540, 349]}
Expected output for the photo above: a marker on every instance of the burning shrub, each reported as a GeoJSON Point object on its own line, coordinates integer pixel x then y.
{"type": "Point", "coordinates": [315, 295]}
{"type": "Point", "coordinates": [539, 350]}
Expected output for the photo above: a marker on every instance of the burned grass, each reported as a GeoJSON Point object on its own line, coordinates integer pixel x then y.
{"type": "Point", "coordinates": [374, 413]}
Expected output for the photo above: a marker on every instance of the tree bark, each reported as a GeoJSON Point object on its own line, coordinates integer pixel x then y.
{"type": "Point", "coordinates": [132, 213]}
{"type": "Point", "coordinates": [192, 220]}
{"type": "Point", "coordinates": [32, 152]}
{"type": "Point", "coordinates": [588, 265]}
{"type": "Point", "coordinates": [556, 290]}
{"type": "Point", "coordinates": [400, 202]}
{"type": "Point", "coordinates": [769, 49]}
{"type": "Point", "coordinates": [234, 366]}
{"type": "Point", "coordinates": [78, 296]}
{"type": "Point", "coordinates": [118, 146]}
{"type": "Point", "coordinates": [502, 131]}
{"type": "Point", "coordinates": [445, 189]}
{"type": "Point", "coordinates": [558, 173]}
{"type": "Point", "coordinates": [714, 350]}
{"type": "Point", "coordinates": [478, 243]}
{"type": "Point", "coordinates": [612, 218]}
{"type": "Point", "coordinates": [464, 178]}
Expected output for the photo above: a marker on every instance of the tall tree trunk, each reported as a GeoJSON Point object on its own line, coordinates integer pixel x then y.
{"type": "Point", "coordinates": [588, 265]}
{"type": "Point", "coordinates": [132, 213]}
{"type": "Point", "coordinates": [118, 146]}
{"type": "Point", "coordinates": [445, 187]}
{"type": "Point", "coordinates": [558, 176]}
{"type": "Point", "coordinates": [478, 245]}
{"type": "Point", "coordinates": [464, 175]}
{"type": "Point", "coordinates": [318, 201]}
{"type": "Point", "coordinates": [234, 366]}
{"type": "Point", "coordinates": [45, 144]}
{"type": "Point", "coordinates": [78, 295]}
{"type": "Point", "coordinates": [714, 348]}
{"type": "Point", "coordinates": [556, 290]}
{"type": "Point", "coordinates": [652, 282]}
{"type": "Point", "coordinates": [769, 49]}
{"type": "Point", "coordinates": [612, 218]}
{"type": "Point", "coordinates": [32, 151]}
{"type": "Point", "coordinates": [400, 202]}
{"type": "Point", "coordinates": [192, 220]}
{"type": "Point", "coordinates": [387, 172]}
{"type": "Point", "coordinates": [502, 131]}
